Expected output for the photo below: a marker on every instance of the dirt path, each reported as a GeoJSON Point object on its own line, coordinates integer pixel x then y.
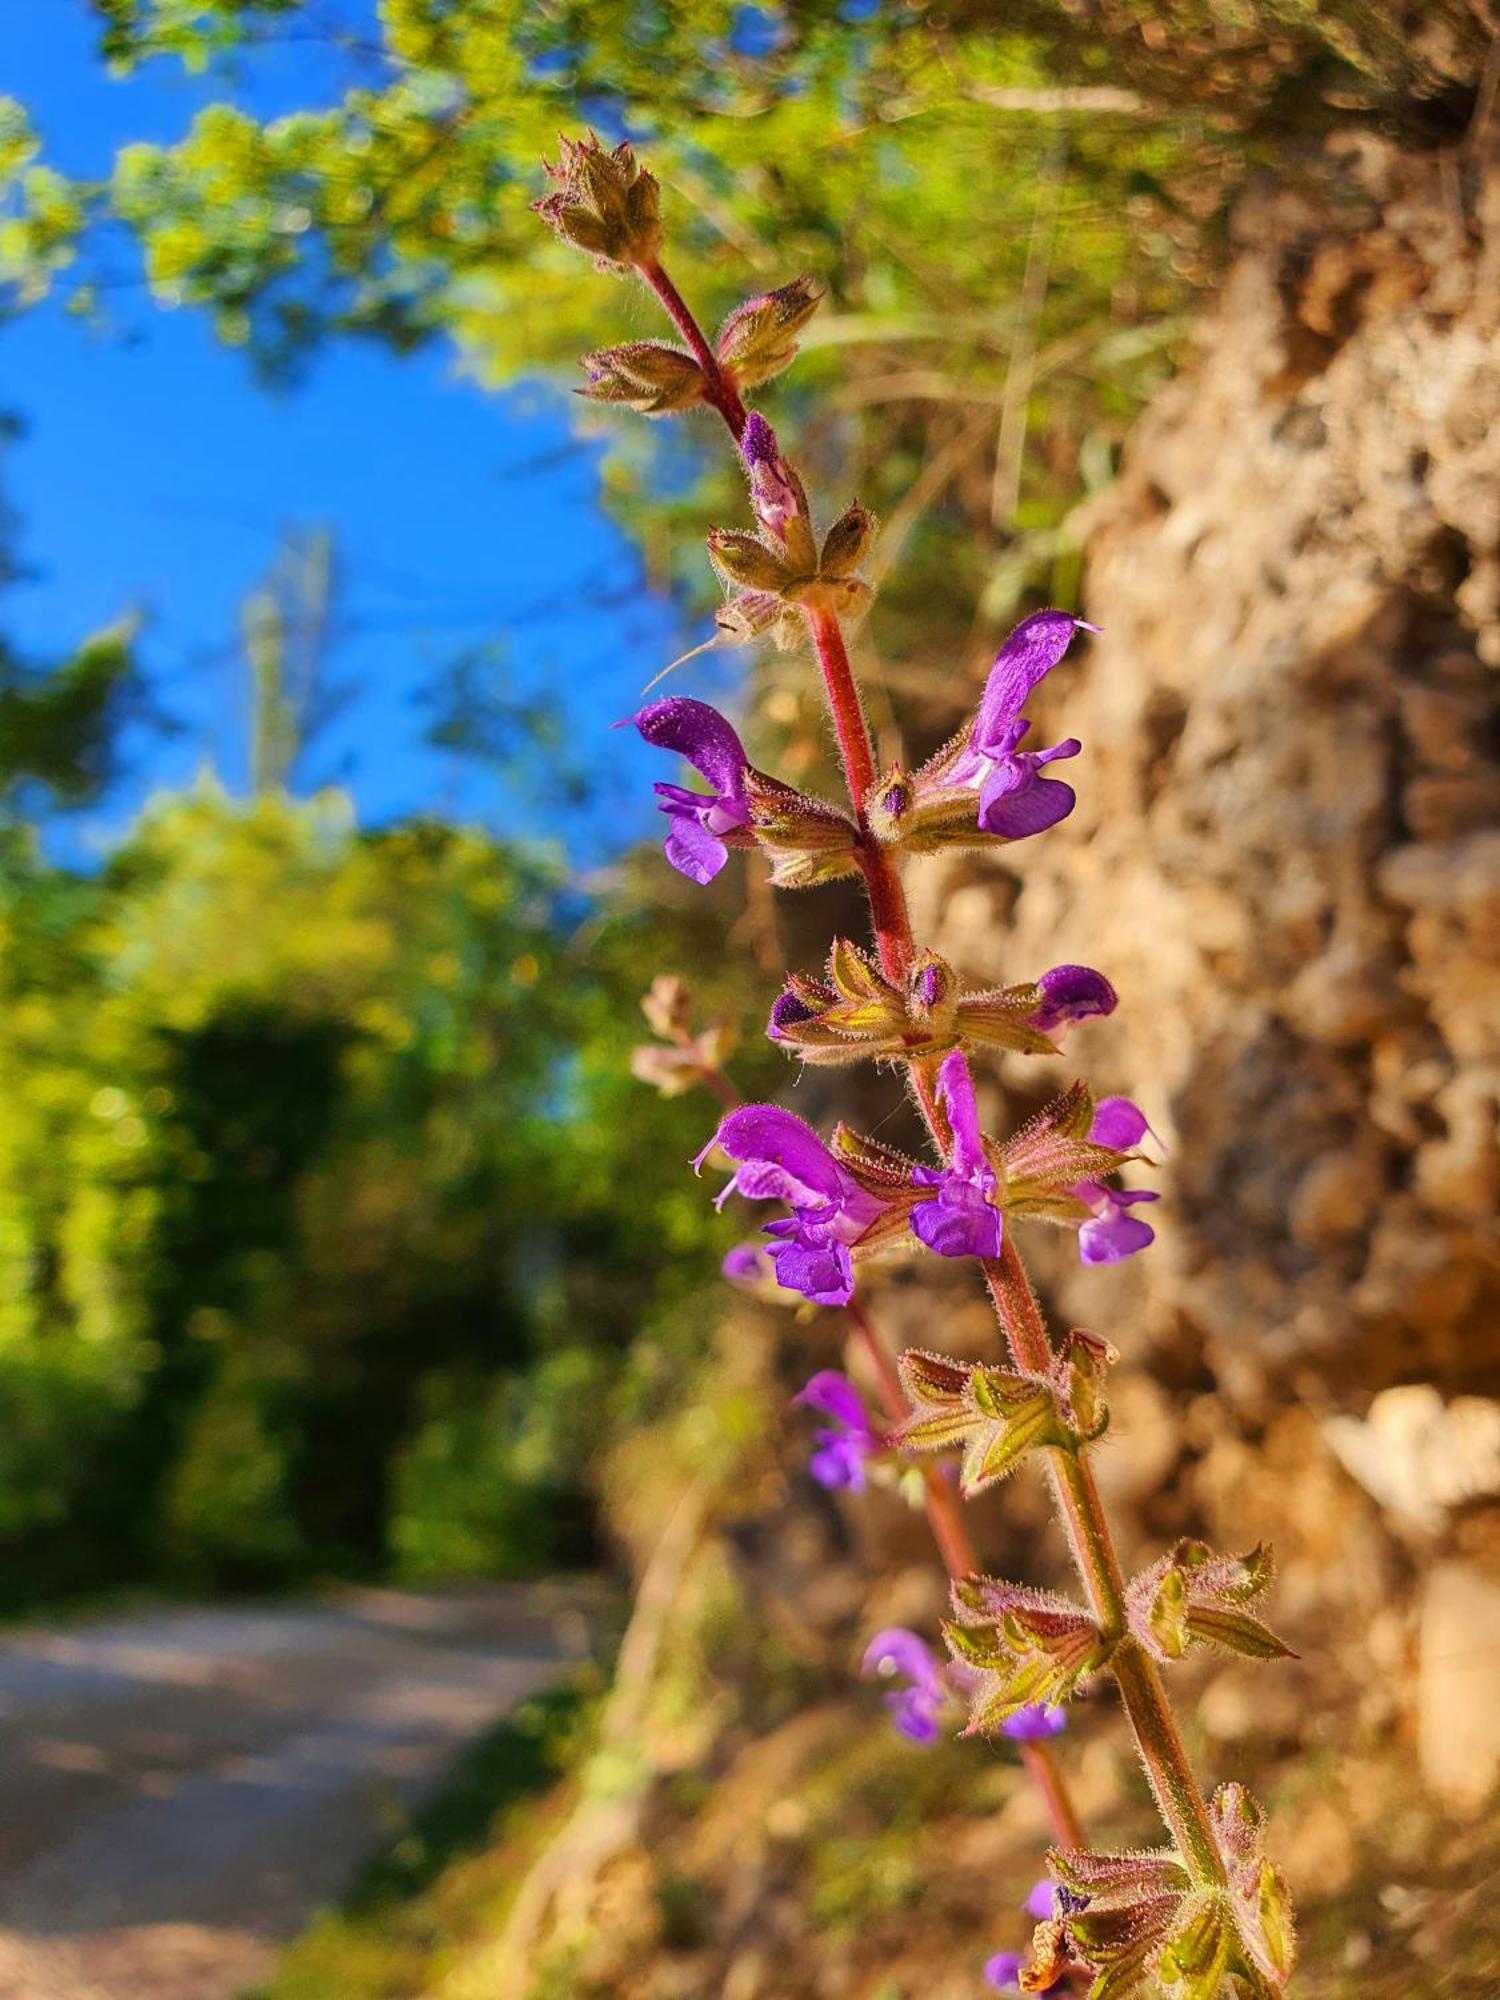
{"type": "Point", "coordinates": [179, 1789]}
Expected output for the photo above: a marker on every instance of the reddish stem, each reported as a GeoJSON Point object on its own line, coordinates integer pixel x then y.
{"type": "Point", "coordinates": [944, 1508]}
{"type": "Point", "coordinates": [891, 921]}
{"type": "Point", "coordinates": [718, 388]}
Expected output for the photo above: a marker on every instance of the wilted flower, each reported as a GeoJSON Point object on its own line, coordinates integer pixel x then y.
{"type": "Point", "coordinates": [603, 203]}
{"type": "Point", "coordinates": [759, 338]}
{"type": "Point", "coordinates": [915, 1707]}
{"type": "Point", "coordinates": [842, 1451]}
{"type": "Point", "coordinates": [674, 1068]}
{"type": "Point", "coordinates": [648, 376]}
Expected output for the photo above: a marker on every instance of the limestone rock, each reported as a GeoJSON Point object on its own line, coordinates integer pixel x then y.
{"type": "Point", "coordinates": [1286, 852]}
{"type": "Point", "coordinates": [1458, 1716]}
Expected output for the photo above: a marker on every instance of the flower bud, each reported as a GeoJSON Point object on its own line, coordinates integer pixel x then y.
{"type": "Point", "coordinates": [932, 996]}
{"type": "Point", "coordinates": [776, 494]}
{"type": "Point", "coordinates": [645, 375]}
{"type": "Point", "coordinates": [887, 804]}
{"type": "Point", "coordinates": [603, 203]}
{"type": "Point", "coordinates": [759, 338]}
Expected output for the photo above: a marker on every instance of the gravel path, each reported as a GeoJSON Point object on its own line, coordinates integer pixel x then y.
{"type": "Point", "coordinates": [182, 1788]}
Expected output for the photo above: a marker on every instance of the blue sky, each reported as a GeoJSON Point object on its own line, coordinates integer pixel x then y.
{"type": "Point", "coordinates": [157, 475]}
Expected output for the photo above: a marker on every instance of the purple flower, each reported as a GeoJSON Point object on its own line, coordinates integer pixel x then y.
{"type": "Point", "coordinates": [782, 1159]}
{"type": "Point", "coordinates": [749, 1268]}
{"type": "Point", "coordinates": [961, 1220]}
{"type": "Point", "coordinates": [1042, 1902]}
{"type": "Point", "coordinates": [1112, 1233]}
{"type": "Point", "coordinates": [1014, 798]}
{"type": "Point", "coordinates": [914, 1707]}
{"type": "Point", "coordinates": [1072, 993]}
{"type": "Point", "coordinates": [696, 845]}
{"type": "Point", "coordinates": [773, 495]}
{"type": "Point", "coordinates": [1034, 1724]}
{"type": "Point", "coordinates": [839, 1461]}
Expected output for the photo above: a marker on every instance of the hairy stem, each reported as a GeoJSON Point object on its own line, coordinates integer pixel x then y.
{"type": "Point", "coordinates": [888, 910]}
{"type": "Point", "coordinates": [891, 922]}
{"type": "Point", "coordinates": [950, 1531]}
{"type": "Point", "coordinates": [1078, 1501]}
{"type": "Point", "coordinates": [718, 390]}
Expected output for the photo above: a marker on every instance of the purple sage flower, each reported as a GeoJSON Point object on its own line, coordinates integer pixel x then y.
{"type": "Point", "coordinates": [748, 1266]}
{"type": "Point", "coordinates": [1034, 1724]}
{"type": "Point", "coordinates": [961, 1220]}
{"type": "Point", "coordinates": [695, 845]}
{"type": "Point", "coordinates": [1072, 993]}
{"type": "Point", "coordinates": [1014, 798]}
{"type": "Point", "coordinates": [839, 1461]}
{"type": "Point", "coordinates": [782, 1159]}
{"type": "Point", "coordinates": [915, 1707]}
{"type": "Point", "coordinates": [773, 496]}
{"type": "Point", "coordinates": [1112, 1233]}
{"type": "Point", "coordinates": [1042, 1902]}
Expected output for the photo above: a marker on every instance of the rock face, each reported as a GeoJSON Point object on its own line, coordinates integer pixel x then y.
{"type": "Point", "coordinates": [1286, 851]}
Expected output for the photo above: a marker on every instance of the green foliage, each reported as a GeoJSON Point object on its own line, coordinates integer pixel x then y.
{"type": "Point", "coordinates": [986, 341]}
{"type": "Point", "coordinates": [311, 1146]}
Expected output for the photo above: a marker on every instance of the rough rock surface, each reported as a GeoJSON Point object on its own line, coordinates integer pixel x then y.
{"type": "Point", "coordinates": [1287, 846]}
{"type": "Point", "coordinates": [1286, 854]}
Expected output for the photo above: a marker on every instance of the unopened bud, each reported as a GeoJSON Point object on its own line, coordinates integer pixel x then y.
{"type": "Point", "coordinates": [887, 804]}
{"type": "Point", "coordinates": [759, 338]}
{"type": "Point", "coordinates": [776, 493]}
{"type": "Point", "coordinates": [644, 375]}
{"type": "Point", "coordinates": [603, 203]}
{"type": "Point", "coordinates": [932, 994]}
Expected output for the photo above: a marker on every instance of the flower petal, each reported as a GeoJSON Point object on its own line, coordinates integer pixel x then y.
{"type": "Point", "coordinates": [915, 1713]}
{"type": "Point", "coordinates": [1039, 1903]}
{"type": "Point", "coordinates": [959, 1222]}
{"type": "Point", "coordinates": [1032, 650]}
{"type": "Point", "coordinates": [820, 1269]}
{"type": "Point", "coordinates": [1034, 1724]}
{"type": "Point", "coordinates": [1118, 1123]}
{"type": "Point", "coordinates": [838, 1463]}
{"type": "Point", "coordinates": [694, 851]}
{"type": "Point", "coordinates": [1003, 1971]}
{"type": "Point", "coordinates": [1014, 809]}
{"type": "Point", "coordinates": [766, 1135]}
{"type": "Point", "coordinates": [836, 1396]}
{"type": "Point", "coordinates": [1114, 1234]}
{"type": "Point", "coordinates": [699, 733]}
{"type": "Point", "coordinates": [899, 1651]}
{"type": "Point", "coordinates": [1073, 993]}
{"type": "Point", "coordinates": [956, 1089]}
